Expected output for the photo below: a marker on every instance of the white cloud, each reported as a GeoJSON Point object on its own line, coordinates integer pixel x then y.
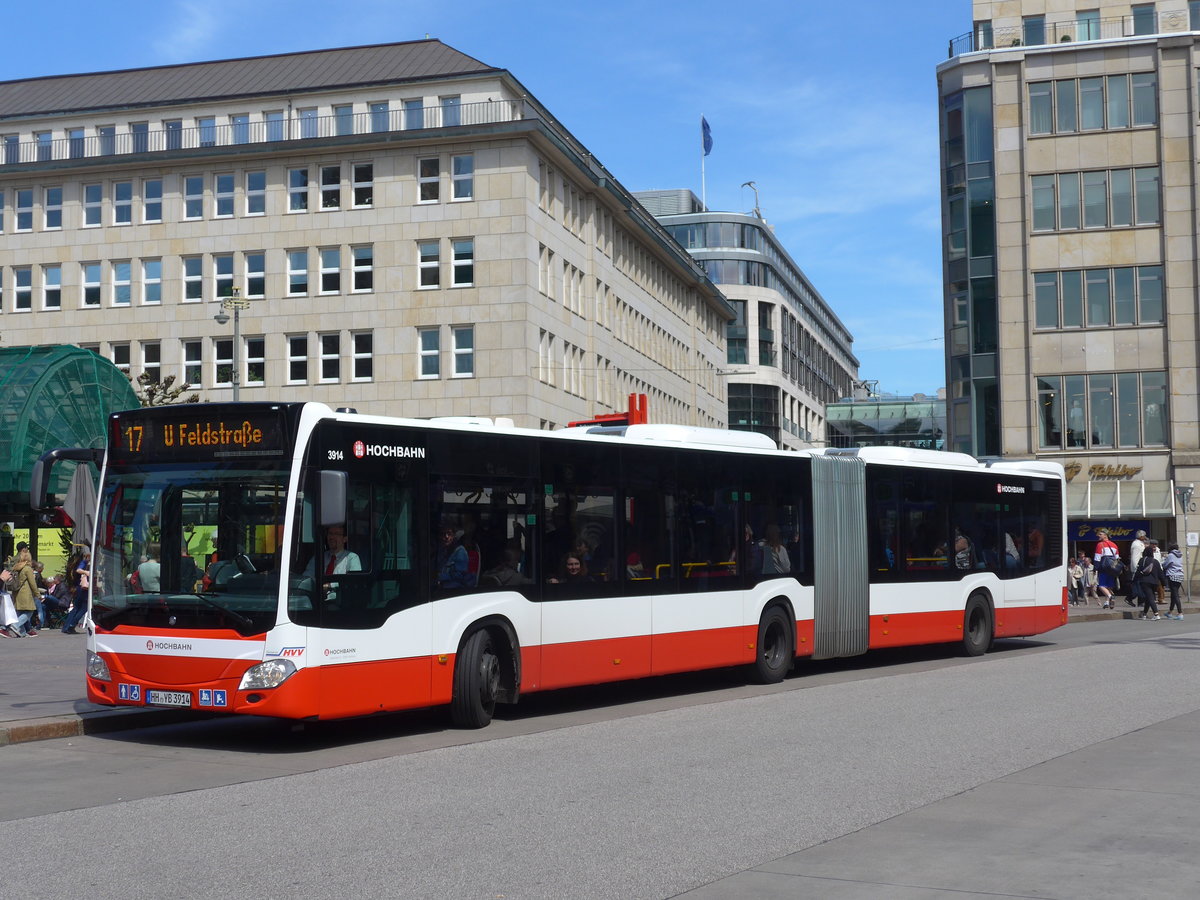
{"type": "Point", "coordinates": [190, 30]}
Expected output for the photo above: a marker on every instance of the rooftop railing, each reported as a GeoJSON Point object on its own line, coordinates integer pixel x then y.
{"type": "Point", "coordinates": [1031, 34]}
{"type": "Point", "coordinates": [108, 142]}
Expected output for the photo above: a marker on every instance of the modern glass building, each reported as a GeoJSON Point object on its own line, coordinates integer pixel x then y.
{"type": "Point", "coordinates": [788, 353]}
{"type": "Point", "coordinates": [1069, 187]}
{"type": "Point", "coordinates": [916, 421]}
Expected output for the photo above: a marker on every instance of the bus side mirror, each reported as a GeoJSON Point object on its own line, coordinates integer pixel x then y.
{"type": "Point", "coordinates": [333, 497]}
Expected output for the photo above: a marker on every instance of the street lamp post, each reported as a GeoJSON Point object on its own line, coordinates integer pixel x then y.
{"type": "Point", "coordinates": [234, 302]}
{"type": "Point", "coordinates": [1183, 493]}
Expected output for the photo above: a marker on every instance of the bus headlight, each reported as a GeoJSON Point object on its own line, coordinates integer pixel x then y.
{"type": "Point", "coordinates": [269, 674]}
{"type": "Point", "coordinates": [97, 667]}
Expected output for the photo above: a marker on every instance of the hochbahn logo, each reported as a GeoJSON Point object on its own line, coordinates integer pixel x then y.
{"type": "Point", "coordinates": [151, 646]}
{"type": "Point", "coordinates": [394, 451]}
{"type": "Point", "coordinates": [1009, 489]}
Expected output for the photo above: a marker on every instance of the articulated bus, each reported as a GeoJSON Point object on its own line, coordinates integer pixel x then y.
{"type": "Point", "coordinates": [307, 563]}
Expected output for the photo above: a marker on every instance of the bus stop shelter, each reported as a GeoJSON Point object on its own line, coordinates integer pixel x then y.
{"type": "Point", "coordinates": [51, 396]}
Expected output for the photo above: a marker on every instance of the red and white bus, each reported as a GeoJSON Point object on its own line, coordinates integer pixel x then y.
{"type": "Point", "coordinates": [476, 562]}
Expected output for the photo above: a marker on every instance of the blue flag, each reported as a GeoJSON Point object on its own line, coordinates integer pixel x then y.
{"type": "Point", "coordinates": [705, 135]}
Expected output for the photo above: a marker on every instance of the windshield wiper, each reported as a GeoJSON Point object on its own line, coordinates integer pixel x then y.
{"type": "Point", "coordinates": [236, 616]}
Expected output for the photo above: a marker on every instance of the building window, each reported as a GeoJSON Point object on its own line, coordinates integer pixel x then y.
{"type": "Point", "coordinates": [462, 170]}
{"type": "Point", "coordinates": [343, 119]}
{"type": "Point", "coordinates": [297, 190]}
{"type": "Point", "coordinates": [120, 356]}
{"type": "Point", "coordinates": [52, 287]}
{"type": "Point", "coordinates": [91, 284]}
{"type": "Point", "coordinates": [1102, 411]}
{"type": "Point", "coordinates": [122, 202]}
{"type": "Point", "coordinates": [1194, 15]}
{"type": "Point", "coordinates": [1087, 25]}
{"type": "Point", "coordinates": [463, 274]}
{"type": "Point", "coordinates": [331, 187]}
{"type": "Point", "coordinates": [239, 127]}
{"type": "Point", "coordinates": [152, 361]}
{"type": "Point", "coordinates": [223, 274]}
{"type": "Point", "coordinates": [222, 362]}
{"type": "Point", "coordinates": [193, 279]}
{"type": "Point", "coordinates": [364, 184]}
{"type": "Point", "coordinates": [297, 360]}
{"type": "Point", "coordinates": [1093, 104]}
{"type": "Point", "coordinates": [428, 174]}
{"type": "Point", "coordinates": [330, 361]}
{"type": "Point", "coordinates": [207, 128]}
{"type": "Point", "coordinates": [362, 344]}
{"type": "Point", "coordinates": [193, 364]}
{"type": "Point", "coordinates": [1118, 197]}
{"type": "Point", "coordinates": [308, 122]}
{"type": "Point", "coordinates": [256, 193]}
{"type": "Point", "coordinates": [140, 135]}
{"type": "Point", "coordinates": [1099, 297]}
{"type": "Point", "coordinates": [75, 143]}
{"type": "Point", "coordinates": [93, 204]}
{"type": "Point", "coordinates": [297, 273]}
{"type": "Point", "coordinates": [256, 361]}
{"type": "Point", "coordinates": [45, 146]}
{"type": "Point", "coordinates": [451, 111]}
{"type": "Point", "coordinates": [22, 289]}
{"type": "Point", "coordinates": [152, 192]}
{"type": "Point", "coordinates": [429, 264]}
{"type": "Point", "coordinates": [464, 351]}
{"type": "Point", "coordinates": [151, 281]}
{"type": "Point", "coordinates": [223, 195]}
{"type": "Point", "coordinates": [122, 282]}
{"type": "Point", "coordinates": [363, 259]}
{"type": "Point", "coordinates": [379, 116]}
{"type": "Point", "coordinates": [1033, 30]}
{"type": "Point", "coordinates": [174, 133]}
{"type": "Point", "coordinates": [52, 208]}
{"type": "Point", "coordinates": [414, 114]}
{"type": "Point", "coordinates": [429, 343]}
{"type": "Point", "coordinates": [1144, 20]}
{"type": "Point", "coordinates": [256, 274]}
{"type": "Point", "coordinates": [274, 124]}
{"type": "Point", "coordinates": [331, 275]}
{"type": "Point", "coordinates": [193, 197]}
{"type": "Point", "coordinates": [24, 209]}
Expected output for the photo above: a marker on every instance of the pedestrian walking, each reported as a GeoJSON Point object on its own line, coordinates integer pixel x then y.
{"type": "Point", "coordinates": [1173, 570]}
{"type": "Point", "coordinates": [1146, 579]}
{"type": "Point", "coordinates": [1108, 562]}
{"type": "Point", "coordinates": [1075, 580]}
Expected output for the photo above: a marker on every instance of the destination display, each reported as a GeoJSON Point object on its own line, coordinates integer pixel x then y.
{"type": "Point", "coordinates": [197, 434]}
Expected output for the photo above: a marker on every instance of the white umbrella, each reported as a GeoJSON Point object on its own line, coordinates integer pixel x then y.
{"type": "Point", "coordinates": [80, 503]}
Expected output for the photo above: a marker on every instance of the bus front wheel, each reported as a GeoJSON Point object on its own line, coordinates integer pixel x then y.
{"type": "Point", "coordinates": [977, 627]}
{"type": "Point", "coordinates": [776, 637]}
{"type": "Point", "coordinates": [476, 682]}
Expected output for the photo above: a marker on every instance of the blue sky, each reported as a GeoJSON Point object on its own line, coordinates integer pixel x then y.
{"type": "Point", "coordinates": [830, 110]}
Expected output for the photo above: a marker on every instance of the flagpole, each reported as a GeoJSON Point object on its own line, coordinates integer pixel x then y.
{"type": "Point", "coordinates": [703, 186]}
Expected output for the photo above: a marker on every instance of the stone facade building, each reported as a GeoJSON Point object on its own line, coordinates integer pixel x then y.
{"type": "Point", "coordinates": [1068, 134]}
{"type": "Point", "coordinates": [408, 230]}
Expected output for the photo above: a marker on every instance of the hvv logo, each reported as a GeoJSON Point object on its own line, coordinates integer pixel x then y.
{"type": "Point", "coordinates": [287, 651]}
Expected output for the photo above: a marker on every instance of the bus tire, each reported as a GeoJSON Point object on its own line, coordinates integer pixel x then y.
{"type": "Point", "coordinates": [977, 626]}
{"type": "Point", "coordinates": [476, 681]}
{"type": "Point", "coordinates": [776, 645]}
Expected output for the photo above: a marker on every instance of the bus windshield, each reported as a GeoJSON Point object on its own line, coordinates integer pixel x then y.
{"type": "Point", "coordinates": [193, 546]}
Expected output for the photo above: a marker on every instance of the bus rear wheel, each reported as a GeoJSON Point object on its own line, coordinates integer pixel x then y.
{"type": "Point", "coordinates": [476, 682]}
{"type": "Point", "coordinates": [977, 627]}
{"type": "Point", "coordinates": [776, 642]}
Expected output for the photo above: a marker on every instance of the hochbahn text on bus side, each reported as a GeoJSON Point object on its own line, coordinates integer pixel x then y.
{"type": "Point", "coordinates": [301, 562]}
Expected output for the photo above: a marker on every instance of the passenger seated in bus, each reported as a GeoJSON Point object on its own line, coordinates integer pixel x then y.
{"type": "Point", "coordinates": [634, 570]}
{"type": "Point", "coordinates": [453, 562]}
{"type": "Point", "coordinates": [574, 571]}
{"type": "Point", "coordinates": [964, 551]}
{"type": "Point", "coordinates": [1035, 545]}
{"type": "Point", "coordinates": [774, 555]}
{"type": "Point", "coordinates": [506, 574]}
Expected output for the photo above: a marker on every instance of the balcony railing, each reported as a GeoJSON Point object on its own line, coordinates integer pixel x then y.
{"type": "Point", "coordinates": [1029, 34]}
{"type": "Point", "coordinates": [296, 128]}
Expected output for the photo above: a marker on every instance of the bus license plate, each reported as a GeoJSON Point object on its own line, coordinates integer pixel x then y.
{"type": "Point", "coordinates": [168, 698]}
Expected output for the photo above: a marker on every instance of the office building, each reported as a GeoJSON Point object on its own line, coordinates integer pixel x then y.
{"type": "Point", "coordinates": [399, 228]}
{"type": "Point", "coordinates": [788, 354]}
{"type": "Point", "coordinates": [1068, 136]}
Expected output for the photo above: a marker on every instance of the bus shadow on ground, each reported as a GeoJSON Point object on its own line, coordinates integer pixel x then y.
{"type": "Point", "coordinates": [431, 728]}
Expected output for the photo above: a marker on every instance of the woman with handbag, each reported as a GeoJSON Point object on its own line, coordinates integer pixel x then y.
{"type": "Point", "coordinates": [24, 597]}
{"type": "Point", "coordinates": [1108, 562]}
{"type": "Point", "coordinates": [1173, 569]}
